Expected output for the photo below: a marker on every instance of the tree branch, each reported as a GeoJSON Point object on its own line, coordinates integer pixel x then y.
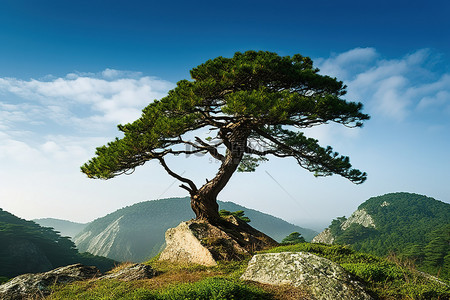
{"type": "Point", "coordinates": [191, 189]}
{"type": "Point", "coordinates": [212, 149]}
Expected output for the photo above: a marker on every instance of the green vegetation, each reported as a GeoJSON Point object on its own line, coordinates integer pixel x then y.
{"type": "Point", "coordinates": [143, 225]}
{"type": "Point", "coordinates": [293, 238]}
{"type": "Point", "coordinates": [413, 226]}
{"type": "Point", "coordinates": [386, 278]}
{"type": "Point", "coordinates": [209, 288]}
{"type": "Point", "coordinates": [28, 247]}
{"type": "Point", "coordinates": [238, 214]}
{"type": "Point", "coordinates": [254, 105]}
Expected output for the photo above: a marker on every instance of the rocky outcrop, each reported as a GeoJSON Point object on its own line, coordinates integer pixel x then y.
{"type": "Point", "coordinates": [359, 217]}
{"type": "Point", "coordinates": [32, 286]}
{"type": "Point", "coordinates": [325, 237]}
{"type": "Point", "coordinates": [100, 244]}
{"type": "Point", "coordinates": [200, 242]}
{"type": "Point", "coordinates": [322, 278]}
{"type": "Point", "coordinates": [129, 272]}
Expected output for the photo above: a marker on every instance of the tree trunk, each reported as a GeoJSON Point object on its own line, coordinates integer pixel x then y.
{"type": "Point", "coordinates": [204, 201]}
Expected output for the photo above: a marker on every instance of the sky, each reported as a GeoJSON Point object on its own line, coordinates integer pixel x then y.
{"type": "Point", "coordinates": [70, 71]}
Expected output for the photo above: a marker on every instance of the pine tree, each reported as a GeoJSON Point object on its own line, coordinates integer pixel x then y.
{"type": "Point", "coordinates": [256, 104]}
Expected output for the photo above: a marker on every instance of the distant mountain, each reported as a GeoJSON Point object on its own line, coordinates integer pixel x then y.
{"type": "Point", "coordinates": [66, 228]}
{"type": "Point", "coordinates": [136, 233]}
{"type": "Point", "coordinates": [410, 225]}
{"type": "Point", "coordinates": [26, 247]}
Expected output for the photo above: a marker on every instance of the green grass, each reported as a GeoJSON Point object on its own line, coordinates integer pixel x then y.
{"type": "Point", "coordinates": [386, 278]}
{"type": "Point", "coordinates": [215, 288]}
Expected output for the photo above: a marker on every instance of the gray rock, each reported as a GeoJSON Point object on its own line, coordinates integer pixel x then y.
{"type": "Point", "coordinates": [325, 237]}
{"type": "Point", "coordinates": [322, 278]}
{"type": "Point", "coordinates": [32, 286]}
{"type": "Point", "coordinates": [361, 217]}
{"type": "Point", "coordinates": [131, 272]}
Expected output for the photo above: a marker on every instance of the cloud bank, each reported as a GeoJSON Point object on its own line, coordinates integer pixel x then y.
{"type": "Point", "coordinates": [61, 118]}
{"type": "Point", "coordinates": [392, 88]}
{"type": "Point", "coordinates": [111, 96]}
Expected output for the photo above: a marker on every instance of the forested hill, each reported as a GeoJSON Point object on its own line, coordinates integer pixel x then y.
{"type": "Point", "coordinates": [66, 228]}
{"type": "Point", "coordinates": [26, 247]}
{"type": "Point", "coordinates": [136, 233]}
{"type": "Point", "coordinates": [410, 225]}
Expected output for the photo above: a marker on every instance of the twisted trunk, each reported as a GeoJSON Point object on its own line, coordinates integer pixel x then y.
{"type": "Point", "coordinates": [204, 201]}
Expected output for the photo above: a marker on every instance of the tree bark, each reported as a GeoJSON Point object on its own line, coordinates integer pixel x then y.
{"type": "Point", "coordinates": [204, 201]}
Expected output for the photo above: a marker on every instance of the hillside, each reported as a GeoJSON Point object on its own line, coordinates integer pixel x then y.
{"type": "Point", "coordinates": [136, 233]}
{"type": "Point", "coordinates": [383, 278]}
{"type": "Point", "coordinates": [412, 226]}
{"type": "Point", "coordinates": [28, 247]}
{"type": "Point", "coordinates": [65, 228]}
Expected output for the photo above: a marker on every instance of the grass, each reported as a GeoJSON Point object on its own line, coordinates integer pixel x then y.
{"type": "Point", "coordinates": [385, 278]}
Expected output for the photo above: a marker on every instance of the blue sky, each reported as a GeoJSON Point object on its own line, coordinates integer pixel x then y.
{"type": "Point", "coordinates": [71, 71]}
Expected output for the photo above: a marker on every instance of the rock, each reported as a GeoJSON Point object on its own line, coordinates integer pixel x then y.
{"type": "Point", "coordinates": [183, 246]}
{"type": "Point", "coordinates": [322, 278]}
{"type": "Point", "coordinates": [32, 286]}
{"type": "Point", "coordinates": [325, 237]}
{"type": "Point", "coordinates": [131, 272]}
{"type": "Point", "coordinates": [361, 217]}
{"type": "Point", "coordinates": [102, 243]}
{"type": "Point", "coordinates": [200, 242]}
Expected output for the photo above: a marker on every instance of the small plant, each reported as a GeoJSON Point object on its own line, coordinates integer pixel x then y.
{"type": "Point", "coordinates": [293, 238]}
{"type": "Point", "coordinates": [238, 214]}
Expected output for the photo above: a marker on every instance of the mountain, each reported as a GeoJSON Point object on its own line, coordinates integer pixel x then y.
{"type": "Point", "coordinates": [410, 225]}
{"type": "Point", "coordinates": [136, 233]}
{"type": "Point", "coordinates": [65, 228]}
{"type": "Point", "coordinates": [27, 247]}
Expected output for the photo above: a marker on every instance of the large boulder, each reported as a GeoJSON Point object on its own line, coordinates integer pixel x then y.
{"type": "Point", "coordinates": [322, 278]}
{"type": "Point", "coordinates": [197, 241]}
{"type": "Point", "coordinates": [32, 286]}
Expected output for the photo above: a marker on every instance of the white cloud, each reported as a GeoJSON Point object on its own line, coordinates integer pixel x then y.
{"type": "Point", "coordinates": [344, 64]}
{"type": "Point", "coordinates": [15, 151]}
{"type": "Point", "coordinates": [54, 125]}
{"type": "Point", "coordinates": [392, 88]}
{"type": "Point", "coordinates": [111, 96]}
